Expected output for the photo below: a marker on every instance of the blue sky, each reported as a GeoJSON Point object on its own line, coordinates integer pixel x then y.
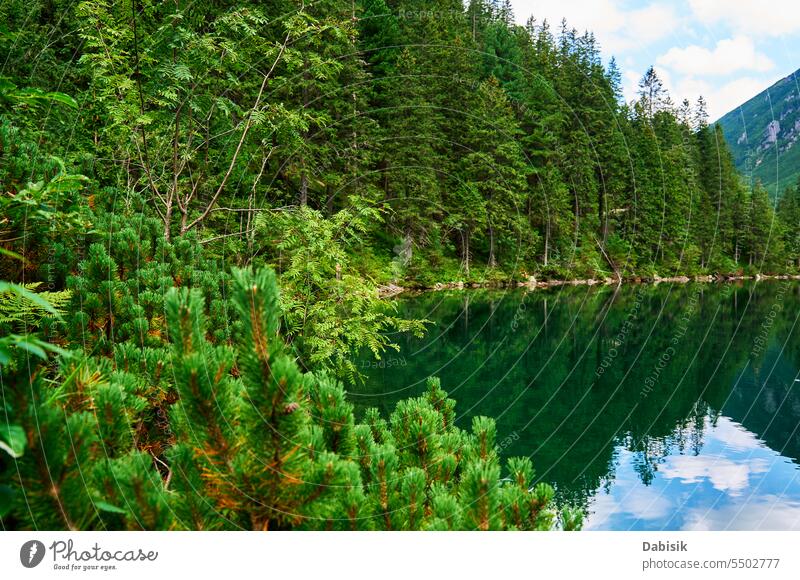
{"type": "Point", "coordinates": [726, 50]}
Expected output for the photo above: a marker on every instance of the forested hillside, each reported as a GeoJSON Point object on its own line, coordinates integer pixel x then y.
{"type": "Point", "coordinates": [200, 199]}
{"type": "Point", "coordinates": [461, 146]}
{"type": "Point", "coordinates": [763, 135]}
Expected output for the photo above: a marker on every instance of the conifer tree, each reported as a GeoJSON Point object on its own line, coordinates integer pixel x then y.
{"type": "Point", "coordinates": [410, 180]}
{"type": "Point", "coordinates": [493, 166]}
{"type": "Point", "coordinates": [264, 464]}
{"type": "Point", "coordinates": [652, 95]}
{"type": "Point", "coordinates": [789, 213]}
{"type": "Point", "coordinates": [763, 235]}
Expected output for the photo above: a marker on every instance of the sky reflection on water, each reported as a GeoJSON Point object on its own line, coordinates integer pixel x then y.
{"type": "Point", "coordinates": [736, 483]}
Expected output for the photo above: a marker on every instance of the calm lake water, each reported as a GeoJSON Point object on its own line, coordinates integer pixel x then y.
{"type": "Point", "coordinates": [663, 407]}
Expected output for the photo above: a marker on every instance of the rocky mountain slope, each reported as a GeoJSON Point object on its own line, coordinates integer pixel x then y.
{"type": "Point", "coordinates": [763, 134]}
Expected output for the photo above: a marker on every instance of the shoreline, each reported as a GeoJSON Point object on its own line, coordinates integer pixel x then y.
{"type": "Point", "coordinates": [392, 290]}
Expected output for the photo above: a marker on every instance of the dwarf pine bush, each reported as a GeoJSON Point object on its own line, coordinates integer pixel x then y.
{"type": "Point", "coordinates": [207, 434]}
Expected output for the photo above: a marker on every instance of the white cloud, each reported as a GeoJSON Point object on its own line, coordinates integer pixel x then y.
{"type": "Point", "coordinates": [637, 502]}
{"type": "Point", "coordinates": [773, 18]}
{"type": "Point", "coordinates": [735, 437]}
{"type": "Point", "coordinates": [728, 56]}
{"type": "Point", "coordinates": [616, 29]}
{"type": "Point", "coordinates": [652, 23]}
{"type": "Point", "coordinates": [630, 83]}
{"type": "Point", "coordinates": [725, 72]}
{"type": "Point", "coordinates": [720, 97]}
{"type": "Point", "coordinates": [723, 474]}
{"type": "Point", "coordinates": [631, 78]}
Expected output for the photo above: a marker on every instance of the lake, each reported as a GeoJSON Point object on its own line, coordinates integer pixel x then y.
{"type": "Point", "coordinates": [655, 407]}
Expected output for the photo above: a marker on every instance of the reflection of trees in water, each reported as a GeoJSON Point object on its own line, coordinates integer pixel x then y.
{"type": "Point", "coordinates": [685, 439]}
{"type": "Point", "coordinates": [768, 404]}
{"type": "Point", "coordinates": [530, 361]}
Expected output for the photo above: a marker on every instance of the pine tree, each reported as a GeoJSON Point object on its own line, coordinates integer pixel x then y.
{"type": "Point", "coordinates": [652, 95]}
{"type": "Point", "coordinates": [253, 442]}
{"type": "Point", "coordinates": [493, 165]}
{"type": "Point", "coordinates": [789, 213]}
{"type": "Point", "coordinates": [762, 234]}
{"type": "Point", "coordinates": [76, 461]}
{"type": "Point", "coordinates": [269, 469]}
{"type": "Point", "coordinates": [410, 178]}
{"type": "Point", "coordinates": [541, 119]}
{"type": "Point", "coordinates": [118, 290]}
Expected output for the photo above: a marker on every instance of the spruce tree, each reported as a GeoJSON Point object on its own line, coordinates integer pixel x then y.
{"type": "Point", "coordinates": [493, 165]}
{"type": "Point", "coordinates": [789, 213]}
{"type": "Point", "coordinates": [763, 236]}
{"type": "Point", "coordinates": [411, 181]}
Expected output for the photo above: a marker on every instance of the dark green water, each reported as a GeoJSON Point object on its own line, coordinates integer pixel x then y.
{"type": "Point", "coordinates": [655, 407]}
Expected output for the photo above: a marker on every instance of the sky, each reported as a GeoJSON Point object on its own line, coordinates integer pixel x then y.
{"type": "Point", "coordinates": [725, 50]}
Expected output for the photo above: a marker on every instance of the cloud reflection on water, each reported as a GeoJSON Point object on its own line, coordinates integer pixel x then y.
{"type": "Point", "coordinates": [735, 483]}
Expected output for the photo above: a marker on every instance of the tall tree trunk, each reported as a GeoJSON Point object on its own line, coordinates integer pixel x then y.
{"type": "Point", "coordinates": [492, 257]}
{"type": "Point", "coordinates": [601, 211]}
{"type": "Point", "coordinates": [547, 240]}
{"type": "Point", "coordinates": [465, 251]}
{"type": "Point", "coordinates": [474, 26]}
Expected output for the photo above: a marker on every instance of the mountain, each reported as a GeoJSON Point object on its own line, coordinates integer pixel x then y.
{"type": "Point", "coordinates": [763, 134]}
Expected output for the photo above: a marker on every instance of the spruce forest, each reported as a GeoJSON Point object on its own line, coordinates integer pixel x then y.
{"type": "Point", "coordinates": [202, 204]}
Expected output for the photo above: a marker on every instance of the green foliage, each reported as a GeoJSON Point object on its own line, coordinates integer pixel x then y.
{"type": "Point", "coordinates": [789, 215]}
{"type": "Point", "coordinates": [330, 309]}
{"type": "Point", "coordinates": [343, 145]}
{"type": "Point", "coordinates": [22, 305]}
{"type": "Point", "coordinates": [50, 441]}
{"type": "Point", "coordinates": [254, 443]}
{"type": "Point", "coordinates": [178, 76]}
{"type": "Point", "coordinates": [13, 96]}
{"type": "Point", "coordinates": [479, 142]}
{"type": "Point", "coordinates": [78, 467]}
{"type": "Point", "coordinates": [23, 308]}
{"type": "Point", "coordinates": [118, 290]}
{"type": "Point", "coordinates": [43, 208]}
{"type": "Point", "coordinates": [774, 164]}
{"type": "Point", "coordinates": [460, 471]}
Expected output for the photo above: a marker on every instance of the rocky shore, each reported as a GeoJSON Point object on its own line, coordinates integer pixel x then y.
{"type": "Point", "coordinates": [390, 290]}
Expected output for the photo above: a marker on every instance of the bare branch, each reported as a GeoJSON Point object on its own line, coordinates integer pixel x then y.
{"type": "Point", "coordinates": [247, 125]}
